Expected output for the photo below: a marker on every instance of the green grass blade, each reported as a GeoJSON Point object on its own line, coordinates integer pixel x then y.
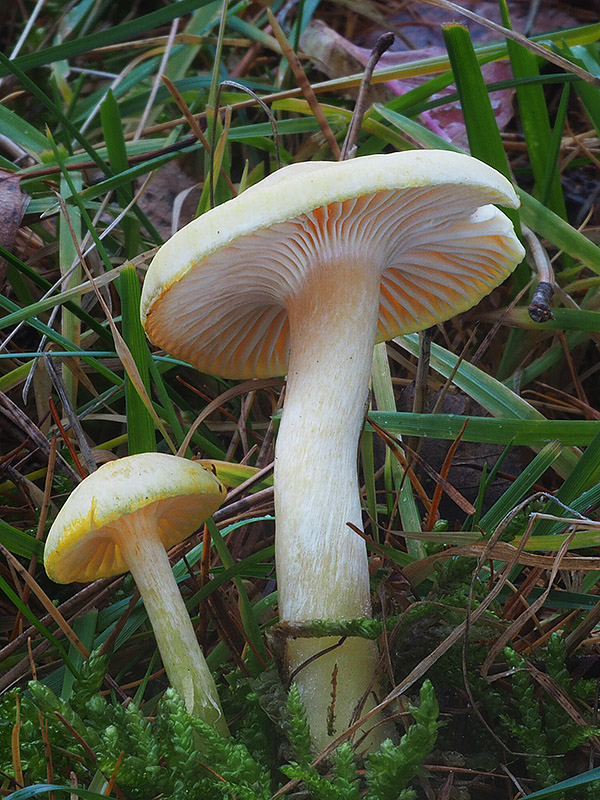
{"type": "Point", "coordinates": [140, 425]}
{"type": "Point", "coordinates": [494, 396]}
{"type": "Point", "coordinates": [250, 624]}
{"type": "Point", "coordinates": [68, 230]}
{"type": "Point", "coordinates": [37, 308]}
{"type": "Point", "coordinates": [368, 472]}
{"type": "Point", "coordinates": [551, 175]}
{"type": "Point", "coordinates": [45, 330]}
{"type": "Point", "coordinates": [583, 779]}
{"type": "Point", "coordinates": [85, 629]}
{"type": "Point", "coordinates": [490, 430]}
{"type": "Point", "coordinates": [486, 144]}
{"type": "Point", "coordinates": [533, 113]}
{"type": "Point", "coordinates": [583, 475]}
{"type": "Point", "coordinates": [484, 138]}
{"type": "Point", "coordinates": [46, 788]}
{"type": "Point", "coordinates": [18, 542]}
{"type": "Point", "coordinates": [15, 127]}
{"type": "Point", "coordinates": [550, 226]}
{"type": "Point", "coordinates": [565, 319]}
{"type": "Point", "coordinates": [202, 20]}
{"type": "Point", "coordinates": [521, 487]}
{"type": "Point", "coordinates": [117, 156]}
{"type": "Point", "coordinates": [384, 395]}
{"type": "Point", "coordinates": [42, 305]}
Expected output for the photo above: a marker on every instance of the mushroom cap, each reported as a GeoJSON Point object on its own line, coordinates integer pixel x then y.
{"type": "Point", "coordinates": [166, 493]}
{"type": "Point", "coordinates": [217, 292]}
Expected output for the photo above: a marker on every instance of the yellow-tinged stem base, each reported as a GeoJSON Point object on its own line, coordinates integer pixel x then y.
{"type": "Point", "coordinates": [176, 639]}
{"type": "Point", "coordinates": [332, 687]}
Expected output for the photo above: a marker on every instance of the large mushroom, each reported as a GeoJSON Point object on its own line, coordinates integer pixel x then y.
{"type": "Point", "coordinates": [124, 517]}
{"type": "Point", "coordinates": [302, 274]}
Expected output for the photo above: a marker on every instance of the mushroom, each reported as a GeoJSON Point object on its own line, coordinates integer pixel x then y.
{"type": "Point", "coordinates": [302, 274]}
{"type": "Point", "coordinates": [124, 517]}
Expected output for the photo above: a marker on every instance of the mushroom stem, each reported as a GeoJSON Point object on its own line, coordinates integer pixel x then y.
{"type": "Point", "coordinates": [322, 567]}
{"type": "Point", "coordinates": [176, 639]}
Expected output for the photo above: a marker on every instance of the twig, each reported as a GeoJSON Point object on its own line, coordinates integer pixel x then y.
{"type": "Point", "coordinates": [22, 421]}
{"type": "Point", "coordinates": [235, 391]}
{"type": "Point", "coordinates": [539, 308]}
{"type": "Point", "coordinates": [421, 378]}
{"type": "Point", "coordinates": [245, 504]}
{"type": "Point", "coordinates": [89, 595]}
{"type": "Point", "coordinates": [382, 44]}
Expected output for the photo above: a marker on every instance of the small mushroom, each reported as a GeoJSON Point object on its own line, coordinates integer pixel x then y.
{"type": "Point", "coordinates": [125, 516]}
{"type": "Point", "coordinates": [302, 274]}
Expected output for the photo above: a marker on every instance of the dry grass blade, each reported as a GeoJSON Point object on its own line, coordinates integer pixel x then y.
{"type": "Point", "coordinates": [152, 96]}
{"type": "Point", "coordinates": [218, 151]}
{"type": "Point", "coordinates": [194, 125]}
{"type": "Point", "coordinates": [45, 506]}
{"type": "Point", "coordinates": [235, 391]}
{"type": "Point", "coordinates": [44, 600]}
{"type": "Point", "coordinates": [15, 746]}
{"type": "Point", "coordinates": [183, 107]}
{"type": "Point", "coordinates": [550, 685]}
{"type": "Point", "coordinates": [503, 551]}
{"type": "Point", "coordinates": [90, 118]}
{"type": "Point", "coordinates": [304, 85]}
{"type": "Point", "coordinates": [582, 631]}
{"type": "Point", "coordinates": [556, 562]}
{"type": "Point", "coordinates": [33, 433]}
{"type": "Point", "coordinates": [84, 449]}
{"type": "Point", "coordinates": [437, 494]}
{"type": "Point", "coordinates": [445, 485]}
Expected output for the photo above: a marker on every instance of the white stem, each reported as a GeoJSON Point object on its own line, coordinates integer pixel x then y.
{"type": "Point", "coordinates": [322, 567]}
{"type": "Point", "coordinates": [179, 649]}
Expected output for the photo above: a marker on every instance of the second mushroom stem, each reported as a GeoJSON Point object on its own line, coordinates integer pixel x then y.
{"type": "Point", "coordinates": [176, 639]}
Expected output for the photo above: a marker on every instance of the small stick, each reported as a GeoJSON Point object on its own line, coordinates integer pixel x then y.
{"type": "Point", "coordinates": [419, 399]}
{"type": "Point", "coordinates": [539, 308]}
{"type": "Point", "coordinates": [382, 44]}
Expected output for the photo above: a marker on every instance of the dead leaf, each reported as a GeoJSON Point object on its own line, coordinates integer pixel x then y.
{"type": "Point", "coordinates": [12, 207]}
{"type": "Point", "coordinates": [336, 57]}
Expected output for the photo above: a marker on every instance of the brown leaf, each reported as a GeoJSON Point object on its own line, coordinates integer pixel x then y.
{"type": "Point", "coordinates": [336, 57]}
{"type": "Point", "coordinates": [12, 207]}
